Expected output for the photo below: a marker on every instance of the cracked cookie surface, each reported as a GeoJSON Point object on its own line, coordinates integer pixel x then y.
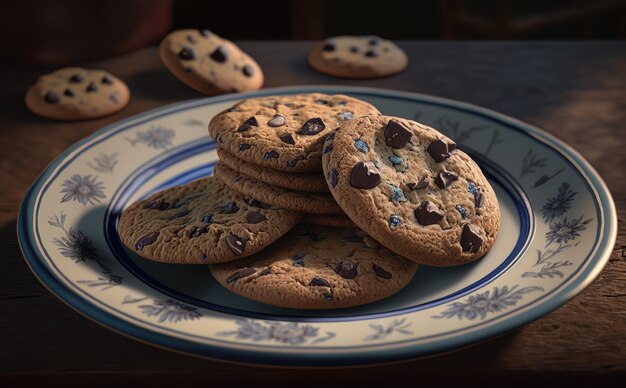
{"type": "Point", "coordinates": [317, 203]}
{"type": "Point", "coordinates": [284, 132]}
{"type": "Point", "coordinates": [408, 186]}
{"type": "Point", "coordinates": [201, 222]}
{"type": "Point", "coordinates": [317, 267]}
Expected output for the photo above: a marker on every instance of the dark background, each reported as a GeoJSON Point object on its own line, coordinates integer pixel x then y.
{"type": "Point", "coordinates": [64, 31]}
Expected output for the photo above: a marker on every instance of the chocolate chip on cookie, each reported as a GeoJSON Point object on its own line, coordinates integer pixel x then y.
{"type": "Point", "coordinates": [358, 57]}
{"type": "Point", "coordinates": [201, 222]}
{"type": "Point", "coordinates": [382, 181]}
{"type": "Point", "coordinates": [208, 63]}
{"type": "Point", "coordinates": [284, 132]}
{"type": "Point", "coordinates": [317, 267]}
{"type": "Point", "coordinates": [73, 94]}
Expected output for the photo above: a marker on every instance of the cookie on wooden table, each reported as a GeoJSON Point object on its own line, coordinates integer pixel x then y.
{"type": "Point", "coordinates": [208, 63]}
{"type": "Point", "coordinates": [310, 182]}
{"type": "Point", "coordinates": [318, 203]}
{"type": "Point", "coordinates": [75, 93]}
{"type": "Point", "coordinates": [410, 188]}
{"type": "Point", "coordinates": [285, 132]}
{"type": "Point", "coordinates": [316, 267]}
{"type": "Point", "coordinates": [201, 222]}
{"type": "Point", "coordinates": [358, 57]}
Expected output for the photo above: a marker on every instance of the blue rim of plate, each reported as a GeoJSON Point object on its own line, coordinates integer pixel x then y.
{"type": "Point", "coordinates": [581, 279]}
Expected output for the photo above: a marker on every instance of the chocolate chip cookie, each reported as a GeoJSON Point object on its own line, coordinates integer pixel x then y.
{"type": "Point", "coordinates": [316, 267]}
{"type": "Point", "coordinates": [201, 222]}
{"type": "Point", "coordinates": [310, 182]}
{"type": "Point", "coordinates": [287, 132]}
{"type": "Point", "coordinates": [358, 57]}
{"type": "Point", "coordinates": [412, 189]}
{"type": "Point", "coordinates": [75, 93]}
{"type": "Point", "coordinates": [293, 200]}
{"type": "Point", "coordinates": [208, 63]}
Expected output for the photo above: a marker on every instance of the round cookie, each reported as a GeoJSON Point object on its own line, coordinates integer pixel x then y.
{"type": "Point", "coordinates": [293, 200]}
{"type": "Point", "coordinates": [74, 93]}
{"type": "Point", "coordinates": [201, 222]}
{"type": "Point", "coordinates": [284, 133]}
{"type": "Point", "coordinates": [310, 182]}
{"type": "Point", "coordinates": [335, 220]}
{"type": "Point", "coordinates": [316, 267]}
{"type": "Point", "coordinates": [208, 63]}
{"type": "Point", "coordinates": [410, 188]}
{"type": "Point", "coordinates": [358, 57]}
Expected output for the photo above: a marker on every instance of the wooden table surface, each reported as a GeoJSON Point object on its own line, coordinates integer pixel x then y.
{"type": "Point", "coordinates": [574, 90]}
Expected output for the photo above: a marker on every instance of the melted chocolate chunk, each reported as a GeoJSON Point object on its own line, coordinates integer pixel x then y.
{"type": "Point", "coordinates": [146, 240]}
{"type": "Point", "coordinates": [255, 217]}
{"type": "Point", "coordinates": [230, 208]}
{"type": "Point", "coordinates": [396, 134]}
{"type": "Point", "coordinates": [179, 214]}
{"type": "Point", "coordinates": [236, 244]}
{"type": "Point", "coordinates": [220, 54]}
{"type": "Point", "coordinates": [470, 239]}
{"type": "Point", "coordinates": [328, 47]}
{"type": "Point", "coordinates": [354, 49]}
{"type": "Point", "coordinates": [246, 125]}
{"type": "Point", "coordinates": [364, 175]}
{"type": "Point", "coordinates": [208, 219]}
{"type": "Point", "coordinates": [319, 282]}
{"type": "Point", "coordinates": [479, 200]}
{"type": "Point", "coordinates": [270, 155]}
{"type": "Point", "coordinates": [346, 270]}
{"type": "Point", "coordinates": [296, 160]}
{"type": "Point", "coordinates": [255, 203]}
{"type": "Point", "coordinates": [439, 150]}
{"type": "Point", "coordinates": [421, 184]}
{"type": "Point", "coordinates": [113, 98]}
{"type": "Point", "coordinates": [199, 231]}
{"type": "Point", "coordinates": [243, 147]}
{"type": "Point", "coordinates": [51, 98]}
{"type": "Point", "coordinates": [371, 54]}
{"type": "Point", "coordinates": [76, 78]}
{"type": "Point", "coordinates": [68, 93]}
{"type": "Point", "coordinates": [187, 54]}
{"type": "Point", "coordinates": [381, 273]}
{"type": "Point", "coordinates": [276, 121]}
{"type": "Point", "coordinates": [312, 126]}
{"type": "Point", "coordinates": [287, 138]}
{"type": "Point", "coordinates": [428, 214]}
{"type": "Point", "coordinates": [328, 297]}
{"type": "Point", "coordinates": [444, 179]}
{"type": "Point", "coordinates": [91, 87]}
{"type": "Point", "coordinates": [242, 273]}
{"type": "Point", "coordinates": [334, 177]}
{"type": "Point", "coordinates": [106, 80]}
{"type": "Point", "coordinates": [248, 71]}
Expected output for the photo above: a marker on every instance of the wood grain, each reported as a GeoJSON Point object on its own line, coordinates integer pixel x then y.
{"type": "Point", "coordinates": [576, 91]}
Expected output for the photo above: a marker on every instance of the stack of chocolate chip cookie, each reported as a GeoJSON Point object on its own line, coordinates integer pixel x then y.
{"type": "Point", "coordinates": [320, 201]}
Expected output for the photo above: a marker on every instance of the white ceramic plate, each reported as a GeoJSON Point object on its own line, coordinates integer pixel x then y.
{"type": "Point", "coordinates": [558, 228]}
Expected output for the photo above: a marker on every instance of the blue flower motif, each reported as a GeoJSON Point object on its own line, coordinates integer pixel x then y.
{"type": "Point", "coordinates": [481, 304]}
{"type": "Point", "coordinates": [462, 211]}
{"type": "Point", "coordinates": [157, 137]}
{"type": "Point", "coordinates": [396, 160]}
{"type": "Point", "coordinates": [394, 221]}
{"type": "Point", "coordinates": [76, 246]}
{"type": "Point", "coordinates": [291, 333]}
{"type": "Point", "coordinates": [564, 231]}
{"type": "Point", "coordinates": [170, 310]}
{"type": "Point", "coordinates": [558, 205]}
{"type": "Point", "coordinates": [361, 146]}
{"type": "Point", "coordinates": [83, 189]}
